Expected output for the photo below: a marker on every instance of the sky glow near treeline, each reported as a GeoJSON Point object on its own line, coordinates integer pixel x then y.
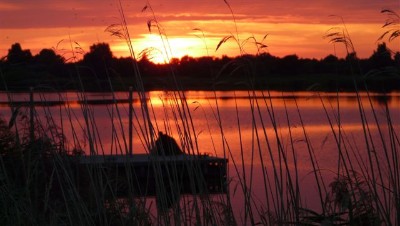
{"type": "Point", "coordinates": [293, 26]}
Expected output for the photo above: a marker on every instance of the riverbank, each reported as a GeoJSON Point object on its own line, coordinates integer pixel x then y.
{"type": "Point", "coordinates": [385, 82]}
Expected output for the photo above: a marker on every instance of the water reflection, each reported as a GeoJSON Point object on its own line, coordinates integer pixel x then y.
{"type": "Point", "coordinates": [253, 129]}
{"type": "Point", "coordinates": [209, 112]}
{"type": "Point", "coordinates": [310, 105]}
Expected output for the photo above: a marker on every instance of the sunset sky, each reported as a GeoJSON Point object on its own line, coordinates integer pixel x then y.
{"type": "Point", "coordinates": [293, 26]}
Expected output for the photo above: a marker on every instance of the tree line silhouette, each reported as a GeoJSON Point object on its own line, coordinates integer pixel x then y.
{"type": "Point", "coordinates": [100, 70]}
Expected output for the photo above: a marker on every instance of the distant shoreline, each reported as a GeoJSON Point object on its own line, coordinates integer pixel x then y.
{"type": "Point", "coordinates": [97, 98]}
{"type": "Point", "coordinates": [100, 71]}
{"type": "Point", "coordinates": [323, 83]}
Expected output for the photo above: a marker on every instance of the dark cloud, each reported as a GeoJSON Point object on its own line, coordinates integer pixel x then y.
{"type": "Point", "coordinates": [50, 13]}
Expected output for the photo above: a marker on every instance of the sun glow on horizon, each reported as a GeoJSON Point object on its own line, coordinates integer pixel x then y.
{"type": "Point", "coordinates": [199, 37]}
{"type": "Point", "coordinates": [161, 50]}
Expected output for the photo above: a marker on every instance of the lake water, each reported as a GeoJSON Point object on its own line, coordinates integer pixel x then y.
{"type": "Point", "coordinates": [254, 130]}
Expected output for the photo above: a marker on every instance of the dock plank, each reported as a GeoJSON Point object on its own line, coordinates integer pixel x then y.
{"type": "Point", "coordinates": [144, 175]}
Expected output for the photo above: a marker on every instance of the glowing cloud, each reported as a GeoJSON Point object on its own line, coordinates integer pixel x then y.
{"type": "Point", "coordinates": [294, 27]}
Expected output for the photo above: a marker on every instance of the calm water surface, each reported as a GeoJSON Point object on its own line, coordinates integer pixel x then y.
{"type": "Point", "coordinates": [247, 127]}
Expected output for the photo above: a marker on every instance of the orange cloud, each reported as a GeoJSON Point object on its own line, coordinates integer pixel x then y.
{"type": "Point", "coordinates": [294, 27]}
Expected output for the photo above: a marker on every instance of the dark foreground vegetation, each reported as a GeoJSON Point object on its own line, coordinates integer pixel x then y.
{"type": "Point", "coordinates": [42, 182]}
{"type": "Point", "coordinates": [99, 70]}
{"type": "Point", "coordinates": [40, 186]}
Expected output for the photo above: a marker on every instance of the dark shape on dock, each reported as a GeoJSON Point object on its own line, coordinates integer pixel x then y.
{"type": "Point", "coordinates": [166, 145]}
{"type": "Point", "coordinates": [142, 174]}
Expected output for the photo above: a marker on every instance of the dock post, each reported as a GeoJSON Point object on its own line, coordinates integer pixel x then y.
{"type": "Point", "coordinates": [31, 115]}
{"type": "Point", "coordinates": [130, 120]}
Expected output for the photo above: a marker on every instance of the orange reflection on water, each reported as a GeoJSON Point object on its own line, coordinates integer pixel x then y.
{"type": "Point", "coordinates": [260, 131]}
{"type": "Point", "coordinates": [227, 123]}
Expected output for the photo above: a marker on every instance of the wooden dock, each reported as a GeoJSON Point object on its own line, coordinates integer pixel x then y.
{"type": "Point", "coordinates": [146, 175]}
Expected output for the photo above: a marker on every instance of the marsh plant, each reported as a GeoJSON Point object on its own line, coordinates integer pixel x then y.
{"type": "Point", "coordinates": [39, 183]}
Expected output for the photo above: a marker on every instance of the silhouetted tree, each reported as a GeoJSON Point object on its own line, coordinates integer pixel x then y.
{"type": "Point", "coordinates": [21, 70]}
{"type": "Point", "coordinates": [17, 55]}
{"type": "Point", "coordinates": [352, 57]}
{"type": "Point", "coordinates": [48, 57]}
{"type": "Point", "coordinates": [100, 53]}
{"type": "Point", "coordinates": [330, 64]}
{"type": "Point", "coordinates": [352, 67]}
{"type": "Point", "coordinates": [289, 65]}
{"type": "Point", "coordinates": [145, 61]}
{"type": "Point", "coordinates": [381, 57]}
{"type": "Point", "coordinates": [267, 64]}
{"type": "Point", "coordinates": [174, 61]}
{"type": "Point", "coordinates": [98, 60]}
{"type": "Point", "coordinates": [146, 67]}
{"type": "Point", "coordinates": [50, 67]}
{"type": "Point", "coordinates": [187, 59]}
{"type": "Point", "coordinates": [330, 59]}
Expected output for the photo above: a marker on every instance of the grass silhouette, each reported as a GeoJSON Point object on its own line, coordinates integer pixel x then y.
{"type": "Point", "coordinates": [39, 184]}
